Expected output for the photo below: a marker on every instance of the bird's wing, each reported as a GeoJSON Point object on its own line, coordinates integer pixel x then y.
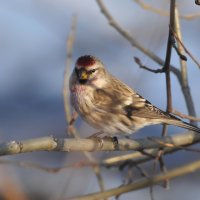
{"type": "Point", "coordinates": [120, 99]}
{"type": "Point", "coordinates": [113, 97]}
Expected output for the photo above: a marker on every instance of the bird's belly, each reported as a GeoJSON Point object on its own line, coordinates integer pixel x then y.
{"type": "Point", "coordinates": [99, 119]}
{"type": "Point", "coordinates": [115, 124]}
{"type": "Point", "coordinates": [108, 122]}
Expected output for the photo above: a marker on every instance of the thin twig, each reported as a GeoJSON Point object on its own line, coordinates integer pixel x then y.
{"type": "Point", "coordinates": [175, 112]}
{"type": "Point", "coordinates": [127, 35]}
{"type": "Point", "coordinates": [159, 70]}
{"type": "Point", "coordinates": [168, 58]}
{"type": "Point", "coordinates": [71, 129]}
{"type": "Point", "coordinates": [138, 61]}
{"type": "Point", "coordinates": [146, 6]}
{"type": "Point", "coordinates": [179, 171]}
{"type": "Point", "coordinates": [166, 68]}
{"type": "Point", "coordinates": [181, 55]}
{"type": "Point", "coordinates": [177, 34]}
{"type": "Point", "coordinates": [178, 38]}
{"type": "Point", "coordinates": [70, 46]}
{"type": "Point", "coordinates": [161, 12]}
{"type": "Point", "coordinates": [190, 105]}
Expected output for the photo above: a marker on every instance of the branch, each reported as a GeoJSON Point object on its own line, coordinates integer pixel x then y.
{"type": "Point", "coordinates": [161, 12]}
{"type": "Point", "coordinates": [96, 144]}
{"type": "Point", "coordinates": [71, 128]}
{"type": "Point", "coordinates": [175, 112]}
{"type": "Point", "coordinates": [185, 85]}
{"type": "Point", "coordinates": [127, 35]}
{"type": "Point", "coordinates": [179, 171]}
{"type": "Point", "coordinates": [70, 46]}
{"type": "Point", "coordinates": [178, 38]}
{"type": "Point", "coordinates": [168, 58]}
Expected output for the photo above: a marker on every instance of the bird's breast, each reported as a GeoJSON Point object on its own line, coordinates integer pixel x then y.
{"type": "Point", "coordinates": [81, 98]}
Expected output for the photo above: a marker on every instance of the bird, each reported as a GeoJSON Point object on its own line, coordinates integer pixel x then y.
{"type": "Point", "coordinates": [109, 105]}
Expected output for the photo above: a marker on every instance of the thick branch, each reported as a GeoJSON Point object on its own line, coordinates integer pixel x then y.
{"type": "Point", "coordinates": [96, 144]}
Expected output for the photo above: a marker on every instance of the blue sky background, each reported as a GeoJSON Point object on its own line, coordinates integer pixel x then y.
{"type": "Point", "coordinates": [32, 62]}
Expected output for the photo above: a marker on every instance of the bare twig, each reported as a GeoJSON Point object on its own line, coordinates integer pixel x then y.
{"type": "Point", "coordinates": [127, 35]}
{"type": "Point", "coordinates": [168, 58]}
{"type": "Point", "coordinates": [70, 46]}
{"type": "Point", "coordinates": [177, 34]}
{"type": "Point", "coordinates": [160, 70]}
{"type": "Point", "coordinates": [179, 171]}
{"type": "Point", "coordinates": [146, 6]}
{"type": "Point", "coordinates": [138, 61]}
{"type": "Point", "coordinates": [71, 128]}
{"type": "Point", "coordinates": [161, 12]}
{"type": "Point", "coordinates": [181, 55]}
{"type": "Point", "coordinates": [140, 157]}
{"type": "Point", "coordinates": [175, 112]}
{"type": "Point", "coordinates": [166, 69]}
{"type": "Point", "coordinates": [178, 38]}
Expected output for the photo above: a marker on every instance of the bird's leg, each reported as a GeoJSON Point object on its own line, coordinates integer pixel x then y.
{"type": "Point", "coordinates": [95, 135]}
{"type": "Point", "coordinates": [100, 140]}
{"type": "Point", "coordinates": [73, 118]}
{"type": "Point", "coordinates": [71, 122]}
{"type": "Point", "coordinates": [115, 141]}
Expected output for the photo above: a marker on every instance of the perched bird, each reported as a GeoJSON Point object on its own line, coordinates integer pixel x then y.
{"type": "Point", "coordinates": [109, 105]}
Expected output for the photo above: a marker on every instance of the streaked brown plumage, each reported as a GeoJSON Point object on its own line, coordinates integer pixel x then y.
{"type": "Point", "coordinates": [109, 105]}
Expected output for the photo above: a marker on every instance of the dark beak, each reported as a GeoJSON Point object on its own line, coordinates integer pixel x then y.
{"type": "Point", "coordinates": [82, 76]}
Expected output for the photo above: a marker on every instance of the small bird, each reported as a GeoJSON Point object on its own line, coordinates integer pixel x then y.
{"type": "Point", "coordinates": [109, 105]}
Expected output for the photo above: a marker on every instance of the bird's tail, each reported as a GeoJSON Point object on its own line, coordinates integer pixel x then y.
{"type": "Point", "coordinates": [182, 124]}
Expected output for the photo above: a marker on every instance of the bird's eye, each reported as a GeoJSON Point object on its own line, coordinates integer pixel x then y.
{"type": "Point", "coordinates": [76, 70]}
{"type": "Point", "coordinates": [91, 71]}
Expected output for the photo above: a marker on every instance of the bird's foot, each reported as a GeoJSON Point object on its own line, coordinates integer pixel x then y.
{"type": "Point", "coordinates": [114, 141]}
{"type": "Point", "coordinates": [95, 135]}
{"type": "Point", "coordinates": [101, 139]}
{"type": "Point", "coordinates": [71, 129]}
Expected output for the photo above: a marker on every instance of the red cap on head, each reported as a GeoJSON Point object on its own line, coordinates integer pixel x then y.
{"type": "Point", "coordinates": [86, 61]}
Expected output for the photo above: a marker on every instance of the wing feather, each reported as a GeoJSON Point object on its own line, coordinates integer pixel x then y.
{"type": "Point", "coordinates": [120, 99]}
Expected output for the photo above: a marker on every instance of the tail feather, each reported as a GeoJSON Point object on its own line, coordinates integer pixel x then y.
{"type": "Point", "coordinates": [183, 124]}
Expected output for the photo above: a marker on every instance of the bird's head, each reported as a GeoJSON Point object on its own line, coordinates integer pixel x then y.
{"type": "Point", "coordinates": [89, 69]}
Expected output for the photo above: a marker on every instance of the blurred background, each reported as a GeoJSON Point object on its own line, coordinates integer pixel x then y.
{"type": "Point", "coordinates": [32, 62]}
